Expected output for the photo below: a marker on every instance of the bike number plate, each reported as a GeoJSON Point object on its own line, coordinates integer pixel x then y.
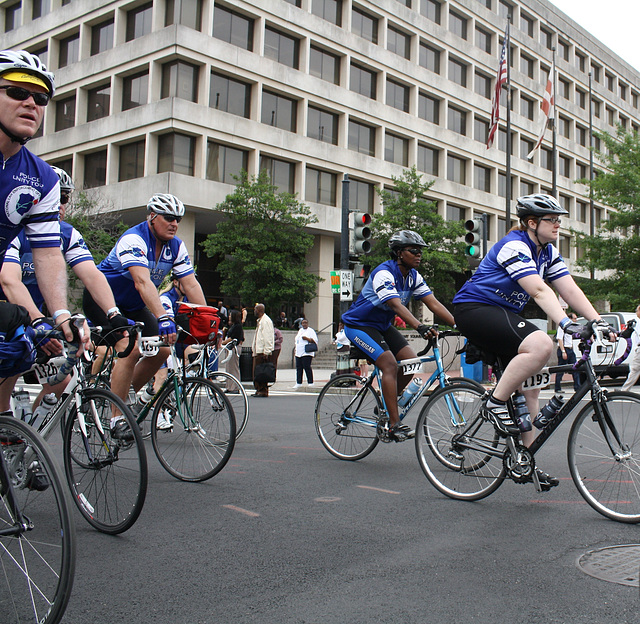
{"type": "Point", "coordinates": [147, 346]}
{"type": "Point", "coordinates": [539, 380]}
{"type": "Point", "coordinates": [410, 369]}
{"type": "Point", "coordinates": [48, 369]}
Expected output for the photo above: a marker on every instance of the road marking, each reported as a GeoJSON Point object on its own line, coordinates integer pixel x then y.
{"type": "Point", "coordinates": [246, 512]}
{"type": "Point", "coordinates": [327, 499]}
{"type": "Point", "coordinates": [375, 489]}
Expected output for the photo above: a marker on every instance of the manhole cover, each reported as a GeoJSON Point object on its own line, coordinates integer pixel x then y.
{"type": "Point", "coordinates": [616, 564]}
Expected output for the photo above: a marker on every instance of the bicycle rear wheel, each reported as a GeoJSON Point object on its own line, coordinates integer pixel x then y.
{"type": "Point", "coordinates": [237, 396]}
{"type": "Point", "coordinates": [200, 441]}
{"type": "Point", "coordinates": [37, 564]}
{"type": "Point", "coordinates": [346, 417]}
{"type": "Point", "coordinates": [456, 447]}
{"type": "Point", "coordinates": [108, 477]}
{"type": "Point", "coordinates": [609, 480]}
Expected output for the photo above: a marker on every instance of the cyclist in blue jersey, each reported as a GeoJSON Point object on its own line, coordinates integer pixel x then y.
{"type": "Point", "coordinates": [487, 307]}
{"type": "Point", "coordinates": [142, 257]}
{"type": "Point", "coordinates": [29, 188]}
{"type": "Point", "coordinates": [368, 322]}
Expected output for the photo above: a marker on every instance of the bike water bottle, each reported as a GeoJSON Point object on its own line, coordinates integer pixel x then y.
{"type": "Point", "coordinates": [21, 405]}
{"type": "Point", "coordinates": [410, 390]}
{"type": "Point", "coordinates": [43, 410]}
{"type": "Point", "coordinates": [523, 418]}
{"type": "Point", "coordinates": [548, 412]}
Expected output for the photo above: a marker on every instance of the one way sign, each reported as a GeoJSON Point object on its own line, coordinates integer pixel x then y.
{"type": "Point", "coordinates": [346, 285]}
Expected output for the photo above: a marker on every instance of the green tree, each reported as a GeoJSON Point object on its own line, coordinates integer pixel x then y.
{"type": "Point", "coordinates": [262, 244]}
{"type": "Point", "coordinates": [615, 248]}
{"type": "Point", "coordinates": [407, 208]}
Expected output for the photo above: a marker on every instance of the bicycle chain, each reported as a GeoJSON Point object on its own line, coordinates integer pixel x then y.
{"type": "Point", "coordinates": [519, 468]}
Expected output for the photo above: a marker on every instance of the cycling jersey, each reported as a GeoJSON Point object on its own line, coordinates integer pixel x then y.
{"type": "Point", "coordinates": [30, 196]}
{"type": "Point", "coordinates": [137, 247]}
{"type": "Point", "coordinates": [495, 281]}
{"type": "Point", "coordinates": [74, 250]}
{"type": "Point", "coordinates": [386, 282]}
{"type": "Point", "coordinates": [169, 300]}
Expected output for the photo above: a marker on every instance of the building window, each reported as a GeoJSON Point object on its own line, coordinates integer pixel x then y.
{"type": "Point", "coordinates": [580, 61]}
{"type": "Point", "coordinates": [429, 58]}
{"type": "Point", "coordinates": [482, 85]}
{"type": "Point", "coordinates": [98, 102]}
{"type": "Point", "coordinates": [320, 187]}
{"type": "Point", "coordinates": [526, 145]}
{"type": "Point", "coordinates": [483, 39]}
{"type": "Point", "coordinates": [581, 98]}
{"type": "Point", "coordinates": [564, 246]}
{"type": "Point", "coordinates": [40, 8]}
{"type": "Point", "coordinates": [457, 120]}
{"type": "Point", "coordinates": [139, 21]}
{"type": "Point", "coordinates": [12, 17]}
{"type": "Point", "coordinates": [610, 82]}
{"type": "Point", "coordinates": [564, 166]}
{"type": "Point", "coordinates": [505, 10]}
{"type": "Point", "coordinates": [456, 169]}
{"type": "Point", "coordinates": [179, 79]}
{"type": "Point", "coordinates": [322, 125]}
{"type": "Point", "coordinates": [279, 111]}
{"type": "Point", "coordinates": [428, 108]}
{"type": "Point", "coordinates": [527, 106]}
{"type": "Point", "coordinates": [458, 24]}
{"type": "Point", "coordinates": [224, 163]}
{"type": "Point", "coordinates": [546, 158]}
{"type": "Point", "coordinates": [502, 184]}
{"type": "Point", "coordinates": [564, 126]}
{"type": "Point", "coordinates": [428, 158]}
{"type": "Point", "coordinates": [546, 38]}
{"type": "Point", "coordinates": [364, 25]}
{"type": "Point", "coordinates": [480, 129]}
{"type": "Point", "coordinates": [526, 188]}
{"type": "Point", "coordinates": [398, 42]}
{"type": "Point", "coordinates": [363, 81]}
{"type": "Point", "coordinates": [563, 49]}
{"type": "Point", "coordinates": [526, 24]}
{"type": "Point", "coordinates": [230, 95]}
{"type": "Point", "coordinates": [396, 149]}
{"type": "Point", "coordinates": [95, 169]}
{"type": "Point", "coordinates": [330, 10]}
{"type": "Point", "coordinates": [65, 113]}
{"type": "Point", "coordinates": [176, 152]}
{"type": "Point", "coordinates": [42, 53]}
{"type": "Point", "coordinates": [455, 213]}
{"type": "Point", "coordinates": [595, 71]}
{"type": "Point", "coordinates": [185, 12]}
{"type": "Point", "coordinates": [131, 165]}
{"type": "Point", "coordinates": [102, 37]}
{"type": "Point", "coordinates": [362, 138]}
{"type": "Point", "coordinates": [135, 90]}
{"type": "Point", "coordinates": [582, 171]}
{"type": "Point", "coordinates": [581, 211]}
{"type": "Point", "coordinates": [482, 178]}
{"type": "Point", "coordinates": [458, 72]}
{"type": "Point", "coordinates": [324, 65]}
{"type": "Point", "coordinates": [398, 95]}
{"type": "Point", "coordinates": [361, 196]}
{"type": "Point", "coordinates": [69, 50]}
{"type": "Point", "coordinates": [232, 28]}
{"type": "Point", "coordinates": [527, 65]}
{"type": "Point", "coordinates": [623, 91]}
{"type": "Point", "coordinates": [281, 173]}
{"type": "Point", "coordinates": [564, 88]}
{"type": "Point", "coordinates": [431, 10]}
{"type": "Point", "coordinates": [281, 48]}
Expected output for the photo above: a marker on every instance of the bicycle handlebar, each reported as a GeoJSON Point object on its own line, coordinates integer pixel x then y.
{"type": "Point", "coordinates": [433, 340]}
{"type": "Point", "coordinates": [133, 332]}
{"type": "Point", "coordinates": [76, 325]}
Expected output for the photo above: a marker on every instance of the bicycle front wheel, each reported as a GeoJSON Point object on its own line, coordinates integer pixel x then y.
{"type": "Point", "coordinates": [346, 417]}
{"type": "Point", "coordinates": [108, 477]}
{"type": "Point", "coordinates": [195, 438]}
{"type": "Point", "coordinates": [37, 560]}
{"type": "Point", "coordinates": [237, 396]}
{"type": "Point", "coordinates": [459, 451]}
{"type": "Point", "coordinates": [604, 456]}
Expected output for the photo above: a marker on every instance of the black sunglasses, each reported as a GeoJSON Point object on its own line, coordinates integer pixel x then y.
{"type": "Point", "coordinates": [21, 94]}
{"type": "Point", "coordinates": [416, 251]}
{"type": "Point", "coordinates": [171, 218]}
{"type": "Point", "coordinates": [64, 198]}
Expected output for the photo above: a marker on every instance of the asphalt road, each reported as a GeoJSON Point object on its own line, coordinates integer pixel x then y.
{"type": "Point", "coordinates": [288, 534]}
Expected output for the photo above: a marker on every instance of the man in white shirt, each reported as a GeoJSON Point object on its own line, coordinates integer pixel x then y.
{"type": "Point", "coordinates": [263, 344]}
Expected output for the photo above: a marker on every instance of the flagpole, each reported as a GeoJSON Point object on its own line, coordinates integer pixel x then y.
{"type": "Point", "coordinates": [508, 146]}
{"type": "Point", "coordinates": [554, 144]}
{"type": "Point", "coordinates": [592, 210]}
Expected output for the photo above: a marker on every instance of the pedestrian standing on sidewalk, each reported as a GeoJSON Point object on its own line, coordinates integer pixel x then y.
{"type": "Point", "coordinates": [263, 344]}
{"type": "Point", "coordinates": [304, 354]}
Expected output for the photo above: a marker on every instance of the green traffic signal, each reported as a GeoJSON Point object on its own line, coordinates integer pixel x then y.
{"type": "Point", "coordinates": [473, 238]}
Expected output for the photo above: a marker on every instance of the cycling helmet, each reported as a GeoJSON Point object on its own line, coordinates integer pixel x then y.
{"type": "Point", "coordinates": [404, 238]}
{"type": "Point", "coordinates": [539, 205]}
{"type": "Point", "coordinates": [66, 183]}
{"type": "Point", "coordinates": [26, 66]}
{"type": "Point", "coordinates": [166, 204]}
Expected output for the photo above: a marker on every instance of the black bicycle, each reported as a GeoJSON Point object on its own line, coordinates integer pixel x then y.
{"type": "Point", "coordinates": [466, 458]}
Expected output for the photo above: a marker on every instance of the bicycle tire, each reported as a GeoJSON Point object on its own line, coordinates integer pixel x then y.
{"type": "Point", "coordinates": [38, 565]}
{"type": "Point", "coordinates": [609, 483]}
{"type": "Point", "coordinates": [199, 446]}
{"type": "Point", "coordinates": [455, 470]}
{"type": "Point", "coordinates": [349, 436]}
{"type": "Point", "coordinates": [109, 488]}
{"type": "Point", "coordinates": [237, 396]}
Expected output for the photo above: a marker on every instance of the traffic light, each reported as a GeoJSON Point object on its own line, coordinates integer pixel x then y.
{"type": "Point", "coordinates": [360, 275]}
{"type": "Point", "coordinates": [473, 238]}
{"type": "Point", "coordinates": [360, 233]}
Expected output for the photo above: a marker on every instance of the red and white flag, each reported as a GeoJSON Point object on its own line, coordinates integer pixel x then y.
{"type": "Point", "coordinates": [501, 80]}
{"type": "Point", "coordinates": [546, 106]}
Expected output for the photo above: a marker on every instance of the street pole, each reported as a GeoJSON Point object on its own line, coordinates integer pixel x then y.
{"type": "Point", "coordinates": [344, 235]}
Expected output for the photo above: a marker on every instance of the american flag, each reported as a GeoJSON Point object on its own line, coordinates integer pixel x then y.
{"type": "Point", "coordinates": [502, 79]}
{"type": "Point", "coordinates": [546, 106]}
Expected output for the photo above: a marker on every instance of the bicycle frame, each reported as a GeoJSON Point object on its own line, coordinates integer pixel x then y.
{"type": "Point", "coordinates": [21, 522]}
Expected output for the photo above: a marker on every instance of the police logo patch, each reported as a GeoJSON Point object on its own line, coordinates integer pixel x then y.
{"type": "Point", "coordinates": [19, 201]}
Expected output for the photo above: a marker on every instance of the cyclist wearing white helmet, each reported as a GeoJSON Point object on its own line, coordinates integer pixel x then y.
{"type": "Point", "coordinates": [29, 188]}
{"type": "Point", "coordinates": [487, 307]}
{"type": "Point", "coordinates": [142, 257]}
{"type": "Point", "coordinates": [368, 322]}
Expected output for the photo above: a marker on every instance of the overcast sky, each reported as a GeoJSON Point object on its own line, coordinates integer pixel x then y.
{"type": "Point", "coordinates": [614, 22]}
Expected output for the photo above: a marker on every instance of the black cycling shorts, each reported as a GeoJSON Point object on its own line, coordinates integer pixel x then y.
{"type": "Point", "coordinates": [372, 342]}
{"type": "Point", "coordinates": [491, 328]}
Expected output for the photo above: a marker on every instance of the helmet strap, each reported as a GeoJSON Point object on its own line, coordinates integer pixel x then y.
{"type": "Point", "coordinates": [13, 137]}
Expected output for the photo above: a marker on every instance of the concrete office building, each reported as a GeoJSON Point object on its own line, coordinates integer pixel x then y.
{"type": "Point", "coordinates": [178, 95]}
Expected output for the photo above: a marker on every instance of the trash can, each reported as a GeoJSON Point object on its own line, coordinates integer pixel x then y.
{"type": "Point", "coordinates": [470, 371]}
{"type": "Point", "coordinates": [246, 364]}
